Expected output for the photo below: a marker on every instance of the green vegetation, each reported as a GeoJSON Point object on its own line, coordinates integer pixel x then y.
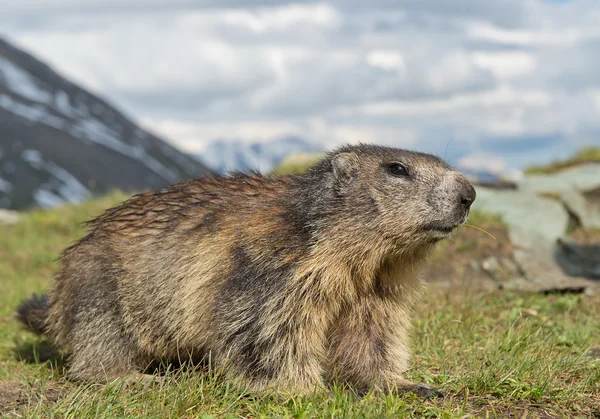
{"type": "Point", "coordinates": [297, 163]}
{"type": "Point", "coordinates": [495, 355]}
{"type": "Point", "coordinates": [586, 155]}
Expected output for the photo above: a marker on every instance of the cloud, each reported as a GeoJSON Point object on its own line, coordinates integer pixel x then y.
{"type": "Point", "coordinates": [483, 162]}
{"type": "Point", "coordinates": [505, 65]}
{"type": "Point", "coordinates": [416, 74]}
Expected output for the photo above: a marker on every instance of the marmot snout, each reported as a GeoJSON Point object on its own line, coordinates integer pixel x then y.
{"type": "Point", "coordinates": [285, 282]}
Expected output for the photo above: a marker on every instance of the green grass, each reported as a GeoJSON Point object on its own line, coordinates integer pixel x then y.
{"type": "Point", "coordinates": [495, 354]}
{"type": "Point", "coordinates": [585, 155]}
{"type": "Point", "coordinates": [297, 163]}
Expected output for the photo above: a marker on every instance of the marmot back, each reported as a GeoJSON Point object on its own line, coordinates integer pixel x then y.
{"type": "Point", "coordinates": [286, 282]}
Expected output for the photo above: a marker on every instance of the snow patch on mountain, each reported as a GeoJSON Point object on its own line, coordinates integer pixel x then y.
{"type": "Point", "coordinates": [22, 83]}
{"type": "Point", "coordinates": [47, 199]}
{"type": "Point", "coordinates": [61, 187]}
{"type": "Point", "coordinates": [86, 129]}
{"type": "Point", "coordinates": [234, 155]}
{"type": "Point", "coordinates": [5, 185]}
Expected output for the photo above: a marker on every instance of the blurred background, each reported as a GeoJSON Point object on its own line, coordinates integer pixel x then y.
{"type": "Point", "coordinates": [102, 94]}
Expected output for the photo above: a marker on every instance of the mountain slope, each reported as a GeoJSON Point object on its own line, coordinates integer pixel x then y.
{"type": "Point", "coordinates": [226, 155]}
{"type": "Point", "coordinates": [60, 143]}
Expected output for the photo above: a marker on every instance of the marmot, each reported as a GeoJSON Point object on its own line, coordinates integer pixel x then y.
{"type": "Point", "coordinates": [286, 282]}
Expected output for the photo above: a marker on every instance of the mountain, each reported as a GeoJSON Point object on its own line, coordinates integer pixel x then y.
{"type": "Point", "coordinates": [227, 155]}
{"type": "Point", "coordinates": [60, 143]}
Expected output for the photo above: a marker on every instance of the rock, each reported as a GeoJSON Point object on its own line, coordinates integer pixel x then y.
{"type": "Point", "coordinates": [578, 260]}
{"type": "Point", "coordinates": [584, 177]}
{"type": "Point", "coordinates": [498, 269]}
{"type": "Point", "coordinates": [543, 274]}
{"type": "Point", "coordinates": [563, 285]}
{"type": "Point", "coordinates": [474, 265]}
{"type": "Point", "coordinates": [9, 217]}
{"type": "Point", "coordinates": [491, 266]}
{"type": "Point", "coordinates": [583, 206]}
{"type": "Point", "coordinates": [511, 270]}
{"type": "Point", "coordinates": [532, 220]}
{"type": "Point", "coordinates": [537, 215]}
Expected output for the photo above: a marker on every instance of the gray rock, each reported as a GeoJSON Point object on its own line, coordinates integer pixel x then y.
{"type": "Point", "coordinates": [585, 209]}
{"type": "Point", "coordinates": [511, 268]}
{"type": "Point", "coordinates": [582, 178]}
{"type": "Point", "coordinates": [474, 265]}
{"type": "Point", "coordinates": [9, 217]}
{"type": "Point", "coordinates": [578, 260]}
{"type": "Point", "coordinates": [563, 285]}
{"type": "Point", "coordinates": [537, 225]}
{"type": "Point", "coordinates": [491, 266]}
{"type": "Point", "coordinates": [532, 220]}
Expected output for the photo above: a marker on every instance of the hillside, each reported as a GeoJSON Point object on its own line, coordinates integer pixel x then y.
{"type": "Point", "coordinates": [60, 143]}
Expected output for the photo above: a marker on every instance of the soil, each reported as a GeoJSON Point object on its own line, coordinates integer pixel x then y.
{"type": "Point", "coordinates": [462, 260]}
{"type": "Point", "coordinates": [586, 237]}
{"type": "Point", "coordinates": [14, 396]}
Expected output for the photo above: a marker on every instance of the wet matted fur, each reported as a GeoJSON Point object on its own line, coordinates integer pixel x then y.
{"type": "Point", "coordinates": [286, 282]}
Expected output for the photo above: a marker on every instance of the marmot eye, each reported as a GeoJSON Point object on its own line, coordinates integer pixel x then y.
{"type": "Point", "coordinates": [397, 169]}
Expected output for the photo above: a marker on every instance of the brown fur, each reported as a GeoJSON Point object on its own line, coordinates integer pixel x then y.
{"type": "Point", "coordinates": [286, 282]}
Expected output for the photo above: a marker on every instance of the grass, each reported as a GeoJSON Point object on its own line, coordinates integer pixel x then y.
{"type": "Point", "coordinates": [494, 354]}
{"type": "Point", "coordinates": [297, 163]}
{"type": "Point", "coordinates": [585, 155]}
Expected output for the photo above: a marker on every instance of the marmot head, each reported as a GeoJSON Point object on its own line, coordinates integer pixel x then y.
{"type": "Point", "coordinates": [407, 196]}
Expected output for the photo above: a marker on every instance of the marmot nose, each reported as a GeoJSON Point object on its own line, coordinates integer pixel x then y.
{"type": "Point", "coordinates": [467, 195]}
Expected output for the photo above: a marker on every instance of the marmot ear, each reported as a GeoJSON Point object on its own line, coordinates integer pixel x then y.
{"type": "Point", "coordinates": [345, 166]}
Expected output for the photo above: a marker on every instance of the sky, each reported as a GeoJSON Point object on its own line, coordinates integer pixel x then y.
{"type": "Point", "coordinates": [490, 85]}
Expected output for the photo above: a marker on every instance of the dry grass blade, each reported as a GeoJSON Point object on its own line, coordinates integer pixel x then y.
{"type": "Point", "coordinates": [480, 229]}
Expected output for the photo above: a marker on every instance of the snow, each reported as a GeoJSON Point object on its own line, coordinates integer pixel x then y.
{"type": "Point", "coordinates": [88, 129]}
{"type": "Point", "coordinates": [181, 159]}
{"type": "Point", "coordinates": [141, 134]}
{"type": "Point", "coordinates": [22, 83]}
{"type": "Point", "coordinates": [161, 169]}
{"type": "Point", "coordinates": [63, 105]}
{"type": "Point", "coordinates": [33, 113]}
{"type": "Point", "coordinates": [68, 188]}
{"type": "Point", "coordinates": [81, 109]}
{"type": "Point", "coordinates": [71, 189]}
{"type": "Point", "coordinates": [5, 185]}
{"type": "Point", "coordinates": [33, 157]}
{"type": "Point", "coordinates": [225, 155]}
{"type": "Point", "coordinates": [46, 199]}
{"type": "Point", "coordinates": [138, 151]}
{"type": "Point", "coordinates": [99, 133]}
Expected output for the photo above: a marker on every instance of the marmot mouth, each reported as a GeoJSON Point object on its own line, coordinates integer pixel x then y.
{"type": "Point", "coordinates": [439, 227]}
